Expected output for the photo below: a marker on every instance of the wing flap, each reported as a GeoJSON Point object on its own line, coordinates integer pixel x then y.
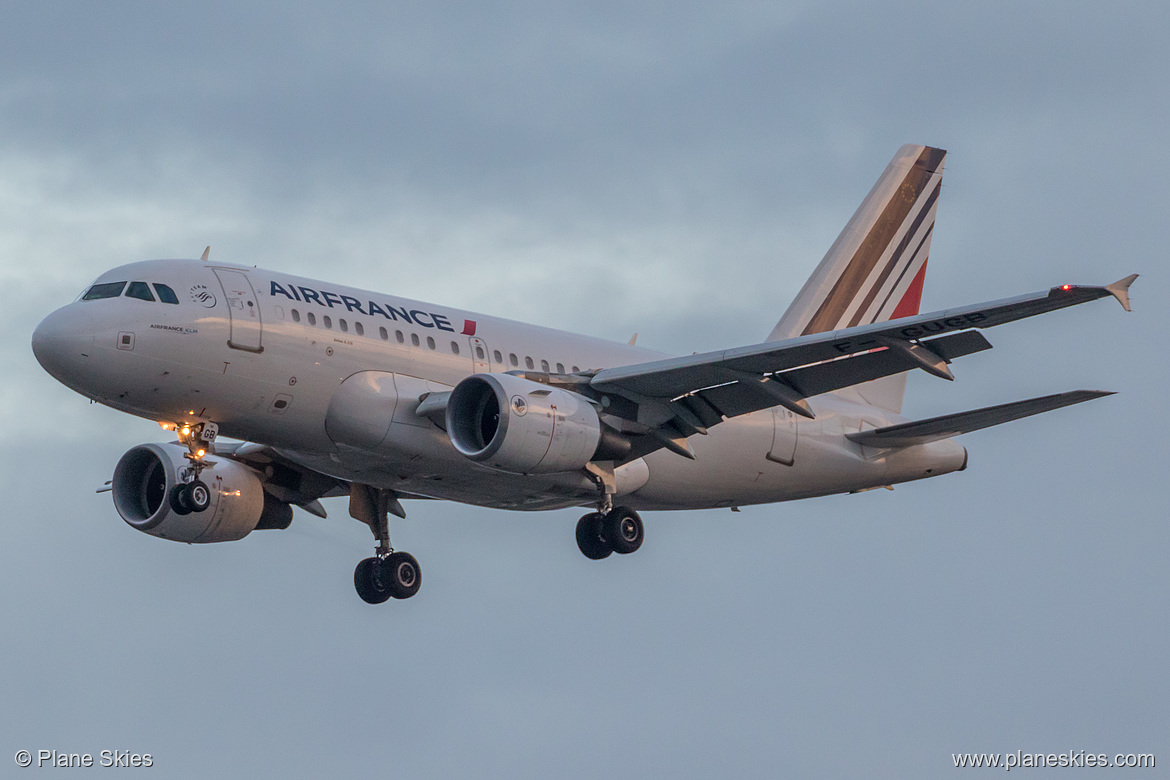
{"type": "Point", "coordinates": [950, 425]}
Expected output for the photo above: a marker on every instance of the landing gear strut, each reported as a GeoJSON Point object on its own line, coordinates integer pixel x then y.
{"type": "Point", "coordinates": [193, 495]}
{"type": "Point", "coordinates": [388, 574]}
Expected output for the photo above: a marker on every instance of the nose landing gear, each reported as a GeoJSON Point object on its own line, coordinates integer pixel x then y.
{"type": "Point", "coordinates": [193, 495]}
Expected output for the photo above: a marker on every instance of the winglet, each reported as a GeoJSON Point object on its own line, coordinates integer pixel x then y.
{"type": "Point", "coordinates": [633, 339]}
{"type": "Point", "coordinates": [1120, 290]}
{"type": "Point", "coordinates": [206, 252]}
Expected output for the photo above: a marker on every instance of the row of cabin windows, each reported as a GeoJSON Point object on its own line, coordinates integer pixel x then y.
{"type": "Point", "coordinates": [400, 337]}
{"type": "Point", "coordinates": [139, 290]}
{"type": "Point", "coordinates": [529, 363]}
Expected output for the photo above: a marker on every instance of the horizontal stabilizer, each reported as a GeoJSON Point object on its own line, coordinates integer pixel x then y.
{"type": "Point", "coordinates": [926, 431]}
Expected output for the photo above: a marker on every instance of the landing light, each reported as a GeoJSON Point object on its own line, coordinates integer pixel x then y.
{"type": "Point", "coordinates": [186, 431]}
{"type": "Point", "coordinates": [200, 453]}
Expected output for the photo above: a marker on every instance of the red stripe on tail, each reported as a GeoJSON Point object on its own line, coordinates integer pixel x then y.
{"type": "Point", "coordinates": [908, 306]}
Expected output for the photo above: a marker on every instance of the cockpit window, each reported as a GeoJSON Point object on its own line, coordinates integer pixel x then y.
{"type": "Point", "coordinates": [107, 290]}
{"type": "Point", "coordinates": [140, 291]}
{"type": "Point", "coordinates": [165, 293]}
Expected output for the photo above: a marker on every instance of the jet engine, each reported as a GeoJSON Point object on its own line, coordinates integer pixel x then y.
{"type": "Point", "coordinates": [517, 425]}
{"type": "Point", "coordinates": [146, 477]}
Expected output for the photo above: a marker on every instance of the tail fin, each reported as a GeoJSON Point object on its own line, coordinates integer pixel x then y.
{"type": "Point", "coordinates": [875, 269]}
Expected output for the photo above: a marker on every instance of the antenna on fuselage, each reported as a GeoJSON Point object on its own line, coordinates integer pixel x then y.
{"type": "Point", "coordinates": [206, 252]}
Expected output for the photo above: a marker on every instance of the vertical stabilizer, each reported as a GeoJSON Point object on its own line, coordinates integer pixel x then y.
{"type": "Point", "coordinates": [875, 269]}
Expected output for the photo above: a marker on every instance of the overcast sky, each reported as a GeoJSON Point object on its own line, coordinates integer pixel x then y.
{"type": "Point", "coordinates": [674, 169]}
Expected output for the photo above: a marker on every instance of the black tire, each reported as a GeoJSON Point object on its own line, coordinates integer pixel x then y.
{"type": "Point", "coordinates": [367, 579]}
{"type": "Point", "coordinates": [178, 499]}
{"type": "Point", "coordinates": [623, 530]}
{"type": "Point", "coordinates": [401, 575]}
{"type": "Point", "coordinates": [589, 539]}
{"type": "Point", "coordinates": [198, 496]}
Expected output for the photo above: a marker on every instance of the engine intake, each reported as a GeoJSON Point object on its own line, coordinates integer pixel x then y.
{"type": "Point", "coordinates": [146, 475]}
{"type": "Point", "coordinates": [517, 425]}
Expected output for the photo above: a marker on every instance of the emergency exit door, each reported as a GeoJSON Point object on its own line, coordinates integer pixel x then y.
{"type": "Point", "coordinates": [480, 362]}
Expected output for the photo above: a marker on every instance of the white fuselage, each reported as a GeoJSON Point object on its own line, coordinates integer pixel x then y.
{"type": "Point", "coordinates": [263, 355]}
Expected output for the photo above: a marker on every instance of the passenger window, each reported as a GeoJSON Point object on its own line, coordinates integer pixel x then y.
{"type": "Point", "coordinates": [140, 290]}
{"type": "Point", "coordinates": [499, 358]}
{"type": "Point", "coordinates": [382, 332]}
{"type": "Point", "coordinates": [512, 359]}
{"type": "Point", "coordinates": [399, 337]}
{"type": "Point", "coordinates": [165, 293]}
{"type": "Point", "coordinates": [344, 326]}
{"type": "Point", "coordinates": [454, 348]}
{"type": "Point", "coordinates": [560, 368]}
{"type": "Point", "coordinates": [414, 339]}
{"type": "Point", "coordinates": [528, 362]}
{"type": "Point", "coordinates": [361, 329]}
{"type": "Point", "coordinates": [296, 315]}
{"type": "Point", "coordinates": [544, 366]}
{"type": "Point", "coordinates": [479, 352]}
{"type": "Point", "coordinates": [312, 318]}
{"type": "Point", "coordinates": [430, 342]}
{"type": "Point", "coordinates": [327, 321]}
{"type": "Point", "coordinates": [107, 290]}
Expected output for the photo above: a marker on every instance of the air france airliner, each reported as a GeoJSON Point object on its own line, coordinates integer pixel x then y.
{"type": "Point", "coordinates": [327, 390]}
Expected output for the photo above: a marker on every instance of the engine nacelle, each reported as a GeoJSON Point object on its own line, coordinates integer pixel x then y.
{"type": "Point", "coordinates": [146, 474]}
{"type": "Point", "coordinates": [517, 425]}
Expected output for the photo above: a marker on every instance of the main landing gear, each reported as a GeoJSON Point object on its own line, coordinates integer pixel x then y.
{"type": "Point", "coordinates": [388, 574]}
{"type": "Point", "coordinates": [611, 529]}
{"type": "Point", "coordinates": [192, 494]}
{"type": "Point", "coordinates": [617, 531]}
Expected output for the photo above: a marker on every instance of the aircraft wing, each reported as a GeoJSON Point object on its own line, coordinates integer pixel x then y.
{"type": "Point", "coordinates": [283, 477]}
{"type": "Point", "coordinates": [677, 397]}
{"type": "Point", "coordinates": [292, 482]}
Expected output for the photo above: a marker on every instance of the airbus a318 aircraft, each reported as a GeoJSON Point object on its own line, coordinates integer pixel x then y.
{"type": "Point", "coordinates": [336, 391]}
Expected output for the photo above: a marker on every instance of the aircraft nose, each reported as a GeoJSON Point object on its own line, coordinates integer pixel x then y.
{"type": "Point", "coordinates": [63, 342]}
